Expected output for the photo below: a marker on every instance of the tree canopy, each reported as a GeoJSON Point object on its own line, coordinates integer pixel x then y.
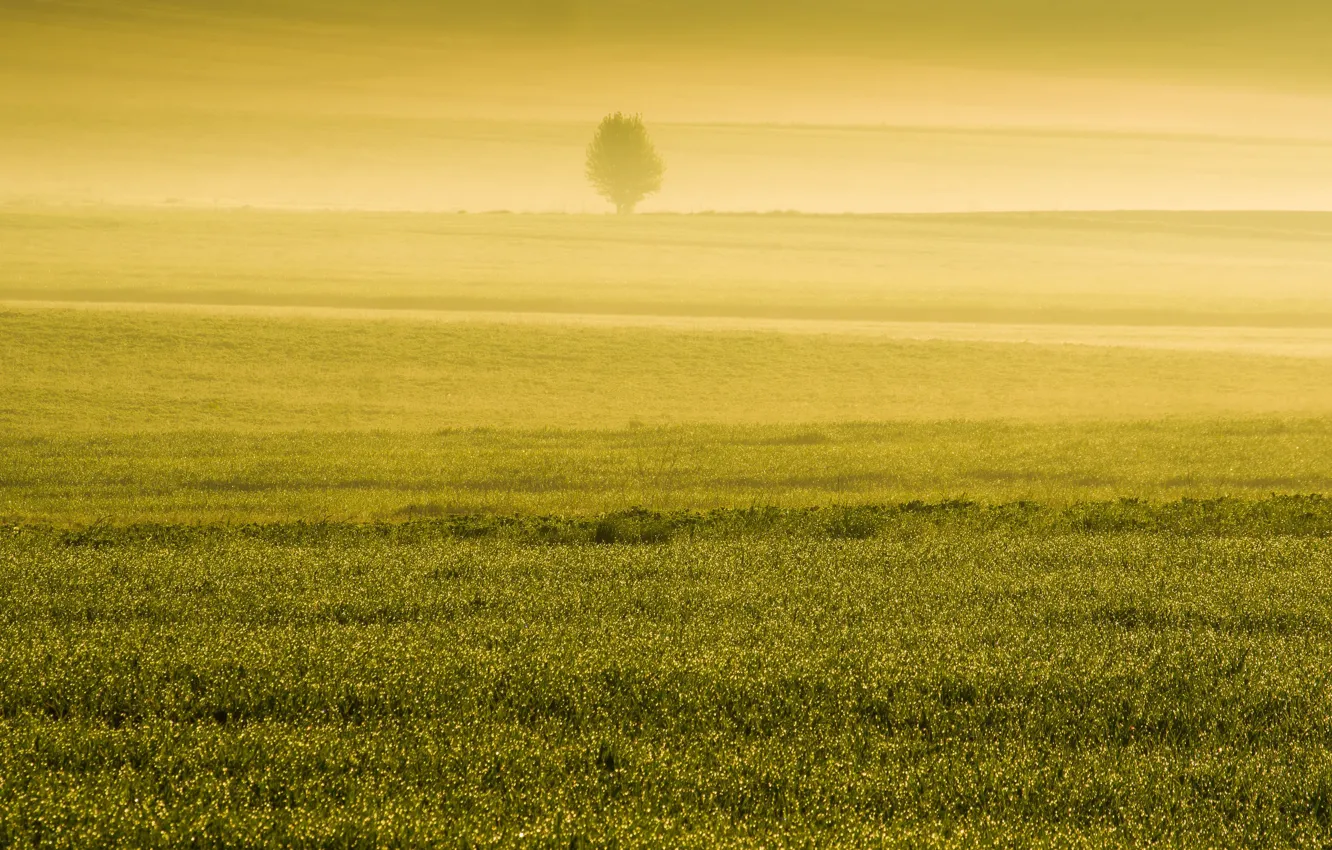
{"type": "Point", "coordinates": [622, 164]}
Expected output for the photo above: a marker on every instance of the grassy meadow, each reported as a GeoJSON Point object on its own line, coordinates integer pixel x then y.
{"type": "Point", "coordinates": [951, 677]}
{"type": "Point", "coordinates": [406, 530]}
{"type": "Point", "coordinates": [218, 477]}
{"type": "Point", "coordinates": [158, 414]}
{"type": "Point", "coordinates": [942, 460]}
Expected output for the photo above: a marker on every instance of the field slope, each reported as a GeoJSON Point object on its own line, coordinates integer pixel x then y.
{"type": "Point", "coordinates": [350, 530]}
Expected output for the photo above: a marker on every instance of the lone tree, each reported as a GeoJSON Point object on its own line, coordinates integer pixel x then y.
{"type": "Point", "coordinates": [622, 164]}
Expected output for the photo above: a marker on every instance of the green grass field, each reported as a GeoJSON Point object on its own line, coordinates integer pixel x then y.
{"type": "Point", "coordinates": [210, 476]}
{"type": "Point", "coordinates": [160, 415]}
{"type": "Point", "coordinates": [942, 458]}
{"type": "Point", "coordinates": [958, 677]}
{"type": "Point", "coordinates": [79, 372]}
{"type": "Point", "coordinates": [646, 558]}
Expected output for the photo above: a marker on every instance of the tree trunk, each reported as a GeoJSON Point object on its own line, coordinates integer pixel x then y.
{"type": "Point", "coordinates": [624, 208]}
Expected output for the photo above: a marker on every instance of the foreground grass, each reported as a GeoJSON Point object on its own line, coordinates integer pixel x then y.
{"type": "Point", "coordinates": [950, 676]}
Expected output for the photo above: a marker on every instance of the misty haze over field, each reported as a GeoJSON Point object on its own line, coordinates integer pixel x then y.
{"type": "Point", "coordinates": [825, 107]}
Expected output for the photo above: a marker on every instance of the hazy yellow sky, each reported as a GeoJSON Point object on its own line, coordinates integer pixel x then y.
{"type": "Point", "coordinates": [959, 104]}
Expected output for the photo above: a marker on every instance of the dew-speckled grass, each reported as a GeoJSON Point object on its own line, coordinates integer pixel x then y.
{"type": "Point", "coordinates": [1118, 673]}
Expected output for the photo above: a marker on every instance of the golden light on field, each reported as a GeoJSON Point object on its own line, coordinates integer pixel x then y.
{"type": "Point", "coordinates": [665, 423]}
